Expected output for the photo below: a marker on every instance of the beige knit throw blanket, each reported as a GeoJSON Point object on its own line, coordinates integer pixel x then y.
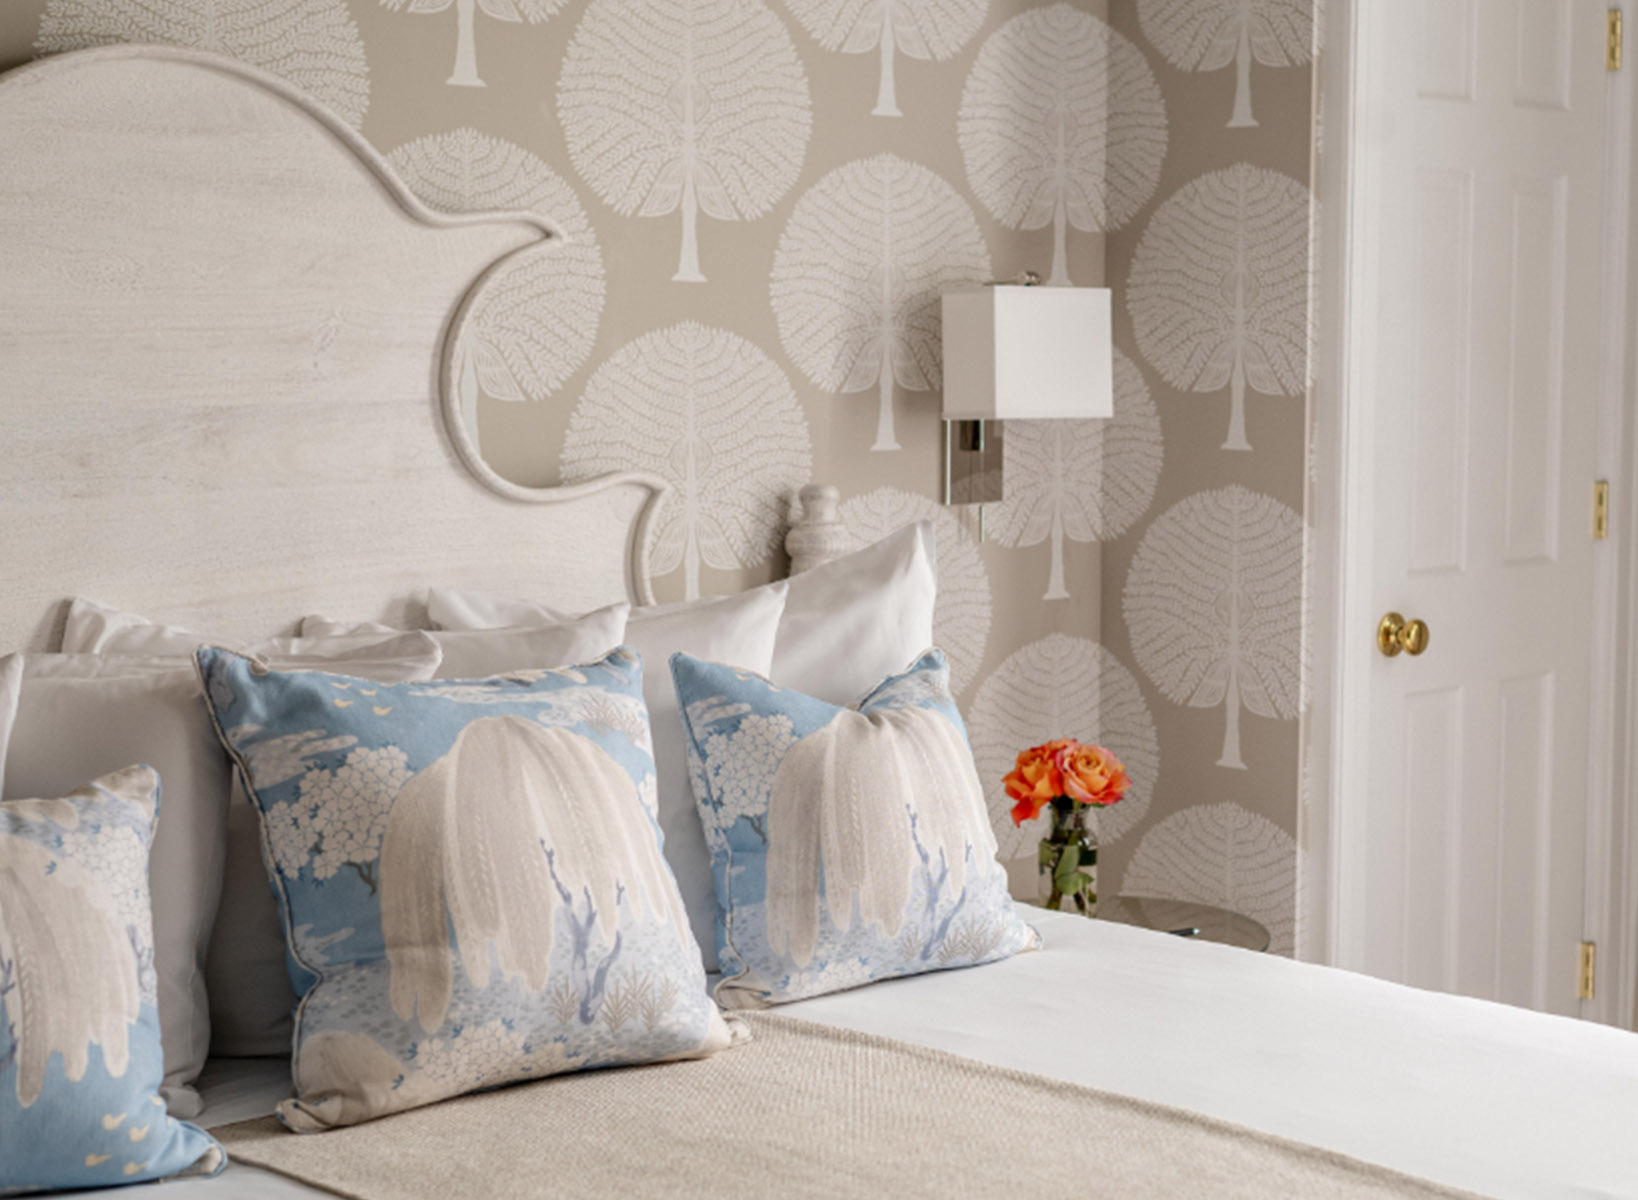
{"type": "Point", "coordinates": [806, 1110]}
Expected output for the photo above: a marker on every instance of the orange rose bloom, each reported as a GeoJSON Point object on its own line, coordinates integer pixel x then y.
{"type": "Point", "coordinates": [1091, 774]}
{"type": "Point", "coordinates": [1036, 780]}
{"type": "Point", "coordinates": [1065, 767]}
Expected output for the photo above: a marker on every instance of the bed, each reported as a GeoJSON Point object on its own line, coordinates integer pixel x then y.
{"type": "Point", "coordinates": [271, 425]}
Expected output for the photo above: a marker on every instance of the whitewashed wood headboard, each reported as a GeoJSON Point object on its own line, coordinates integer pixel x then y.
{"type": "Point", "coordinates": [226, 343]}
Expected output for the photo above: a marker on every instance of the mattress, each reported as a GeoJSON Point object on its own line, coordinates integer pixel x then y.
{"type": "Point", "coordinates": [1497, 1100]}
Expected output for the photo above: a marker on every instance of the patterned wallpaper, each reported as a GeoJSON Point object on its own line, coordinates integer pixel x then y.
{"type": "Point", "coordinates": [765, 198]}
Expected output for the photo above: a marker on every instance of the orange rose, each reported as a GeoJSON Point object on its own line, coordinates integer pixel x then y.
{"type": "Point", "coordinates": [1036, 780]}
{"type": "Point", "coordinates": [1091, 775]}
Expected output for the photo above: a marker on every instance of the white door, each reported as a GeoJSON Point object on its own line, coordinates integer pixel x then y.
{"type": "Point", "coordinates": [1488, 298]}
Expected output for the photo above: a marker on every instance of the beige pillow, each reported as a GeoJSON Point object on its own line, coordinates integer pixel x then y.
{"type": "Point", "coordinates": [80, 716]}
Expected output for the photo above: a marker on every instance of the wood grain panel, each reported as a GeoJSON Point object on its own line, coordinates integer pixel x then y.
{"type": "Point", "coordinates": [225, 329]}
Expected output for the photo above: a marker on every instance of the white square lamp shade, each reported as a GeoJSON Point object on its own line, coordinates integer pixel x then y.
{"type": "Point", "coordinates": [1014, 353]}
{"type": "Point", "coordinates": [1017, 353]}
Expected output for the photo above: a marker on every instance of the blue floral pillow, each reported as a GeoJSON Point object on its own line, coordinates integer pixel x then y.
{"type": "Point", "coordinates": [470, 878]}
{"type": "Point", "coordinates": [80, 1060]}
{"type": "Point", "coordinates": [848, 844]}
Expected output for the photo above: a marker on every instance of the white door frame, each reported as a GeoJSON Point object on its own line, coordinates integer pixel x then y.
{"type": "Point", "coordinates": [1333, 904]}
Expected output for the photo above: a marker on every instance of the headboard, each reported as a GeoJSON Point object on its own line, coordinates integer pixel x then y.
{"type": "Point", "coordinates": [227, 341]}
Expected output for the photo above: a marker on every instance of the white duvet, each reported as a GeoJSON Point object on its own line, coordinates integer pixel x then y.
{"type": "Point", "coordinates": [1498, 1100]}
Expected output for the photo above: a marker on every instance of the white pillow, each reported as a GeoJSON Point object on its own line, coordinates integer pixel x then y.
{"type": "Point", "coordinates": [857, 619]}
{"type": "Point", "coordinates": [455, 608]}
{"type": "Point", "coordinates": [81, 716]}
{"type": "Point", "coordinates": [97, 629]}
{"type": "Point", "coordinates": [738, 631]}
{"type": "Point", "coordinates": [847, 625]}
{"type": "Point", "coordinates": [475, 653]}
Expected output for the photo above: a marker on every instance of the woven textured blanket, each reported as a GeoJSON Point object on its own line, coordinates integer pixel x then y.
{"type": "Point", "coordinates": [807, 1110]}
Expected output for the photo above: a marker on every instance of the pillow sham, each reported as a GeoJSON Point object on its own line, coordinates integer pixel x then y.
{"type": "Point", "coordinates": [739, 630]}
{"type": "Point", "coordinates": [848, 844]}
{"type": "Point", "coordinates": [79, 716]}
{"type": "Point", "coordinates": [469, 877]}
{"type": "Point", "coordinates": [80, 1057]}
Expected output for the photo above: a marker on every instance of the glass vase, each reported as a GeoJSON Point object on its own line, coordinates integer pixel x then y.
{"type": "Point", "coordinates": [1069, 861]}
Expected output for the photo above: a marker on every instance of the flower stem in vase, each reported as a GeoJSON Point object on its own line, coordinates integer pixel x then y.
{"type": "Point", "coordinates": [1068, 859]}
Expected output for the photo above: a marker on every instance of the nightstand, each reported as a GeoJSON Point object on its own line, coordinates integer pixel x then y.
{"type": "Point", "coordinates": [1184, 918]}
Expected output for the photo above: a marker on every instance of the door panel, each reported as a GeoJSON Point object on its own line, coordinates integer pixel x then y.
{"type": "Point", "coordinates": [1444, 253]}
{"type": "Point", "coordinates": [1433, 735]}
{"type": "Point", "coordinates": [1535, 374]}
{"type": "Point", "coordinates": [1487, 368]}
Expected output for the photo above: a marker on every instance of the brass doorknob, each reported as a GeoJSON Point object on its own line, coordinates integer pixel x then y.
{"type": "Point", "coordinates": [1395, 634]}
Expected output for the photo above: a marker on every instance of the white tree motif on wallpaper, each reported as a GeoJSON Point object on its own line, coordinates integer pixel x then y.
{"type": "Point", "coordinates": [718, 420]}
{"type": "Point", "coordinates": [1213, 604]}
{"type": "Point", "coordinates": [1084, 480]}
{"type": "Point", "coordinates": [1207, 35]}
{"type": "Point", "coordinates": [313, 44]}
{"type": "Point", "coordinates": [1219, 288]}
{"type": "Point", "coordinates": [1222, 855]}
{"type": "Point", "coordinates": [1062, 686]}
{"type": "Point", "coordinates": [537, 319]}
{"type": "Point", "coordinates": [465, 73]}
{"type": "Point", "coordinates": [961, 616]}
{"type": "Point", "coordinates": [858, 274]}
{"type": "Point", "coordinates": [1061, 123]}
{"type": "Point", "coordinates": [920, 29]}
{"type": "Point", "coordinates": [690, 105]}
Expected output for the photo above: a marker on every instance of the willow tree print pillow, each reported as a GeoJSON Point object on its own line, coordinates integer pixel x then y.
{"type": "Point", "coordinates": [848, 844]}
{"type": "Point", "coordinates": [470, 879]}
{"type": "Point", "coordinates": [80, 1059]}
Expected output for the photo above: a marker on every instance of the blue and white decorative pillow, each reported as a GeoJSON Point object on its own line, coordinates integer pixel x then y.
{"type": "Point", "coordinates": [80, 1058]}
{"type": "Point", "coordinates": [470, 877]}
{"type": "Point", "coordinates": [848, 844]}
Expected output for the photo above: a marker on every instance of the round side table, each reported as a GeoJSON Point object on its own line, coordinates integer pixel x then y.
{"type": "Point", "coordinates": [1184, 918]}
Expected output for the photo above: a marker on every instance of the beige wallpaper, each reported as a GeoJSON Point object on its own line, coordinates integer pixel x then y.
{"type": "Point", "coordinates": [766, 197]}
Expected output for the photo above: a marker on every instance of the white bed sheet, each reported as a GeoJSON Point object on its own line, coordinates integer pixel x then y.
{"type": "Point", "coordinates": [1498, 1100]}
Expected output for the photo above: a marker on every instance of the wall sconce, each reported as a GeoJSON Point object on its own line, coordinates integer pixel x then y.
{"type": "Point", "coordinates": [1017, 352]}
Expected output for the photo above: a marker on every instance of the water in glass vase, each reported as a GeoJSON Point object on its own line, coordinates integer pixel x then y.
{"type": "Point", "coordinates": [1069, 861]}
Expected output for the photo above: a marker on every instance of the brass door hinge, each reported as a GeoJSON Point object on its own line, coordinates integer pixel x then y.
{"type": "Point", "coordinates": [1612, 42]}
{"type": "Point", "coordinates": [1587, 975]}
{"type": "Point", "coordinates": [1601, 509]}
